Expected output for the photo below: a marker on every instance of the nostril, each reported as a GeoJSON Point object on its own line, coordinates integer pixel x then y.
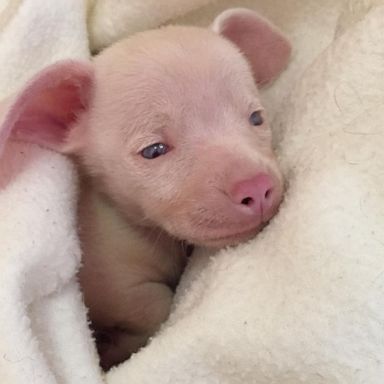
{"type": "Point", "coordinates": [247, 201]}
{"type": "Point", "coordinates": [268, 194]}
{"type": "Point", "coordinates": [256, 194]}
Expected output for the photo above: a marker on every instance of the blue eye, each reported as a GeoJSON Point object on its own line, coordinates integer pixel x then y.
{"type": "Point", "coordinates": [256, 118]}
{"type": "Point", "coordinates": [154, 150]}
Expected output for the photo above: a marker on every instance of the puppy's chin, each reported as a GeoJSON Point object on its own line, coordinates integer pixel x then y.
{"type": "Point", "coordinates": [226, 240]}
{"type": "Point", "coordinates": [217, 238]}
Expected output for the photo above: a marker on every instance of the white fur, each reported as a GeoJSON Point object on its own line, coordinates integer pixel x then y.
{"type": "Point", "coordinates": [301, 303]}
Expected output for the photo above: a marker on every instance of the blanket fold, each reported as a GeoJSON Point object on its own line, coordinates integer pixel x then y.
{"type": "Point", "coordinates": [44, 336]}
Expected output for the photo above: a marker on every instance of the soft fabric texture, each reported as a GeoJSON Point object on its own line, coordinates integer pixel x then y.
{"type": "Point", "coordinates": [301, 303]}
{"type": "Point", "coordinates": [111, 20]}
{"type": "Point", "coordinates": [44, 337]}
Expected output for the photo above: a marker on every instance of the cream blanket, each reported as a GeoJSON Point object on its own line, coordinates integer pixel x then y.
{"type": "Point", "coordinates": [302, 303]}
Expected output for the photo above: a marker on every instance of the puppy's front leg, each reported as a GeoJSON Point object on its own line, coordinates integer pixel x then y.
{"type": "Point", "coordinates": [146, 306]}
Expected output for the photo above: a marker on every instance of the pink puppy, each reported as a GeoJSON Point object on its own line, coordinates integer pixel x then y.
{"type": "Point", "coordinates": [172, 143]}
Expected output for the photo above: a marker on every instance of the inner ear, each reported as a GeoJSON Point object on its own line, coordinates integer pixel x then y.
{"type": "Point", "coordinates": [263, 44]}
{"type": "Point", "coordinates": [48, 107]}
{"type": "Point", "coordinates": [46, 118]}
{"type": "Point", "coordinates": [5, 129]}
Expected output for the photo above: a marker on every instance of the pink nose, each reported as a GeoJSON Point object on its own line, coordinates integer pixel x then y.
{"type": "Point", "coordinates": [258, 194]}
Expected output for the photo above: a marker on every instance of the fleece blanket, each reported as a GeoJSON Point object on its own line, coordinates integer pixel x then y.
{"type": "Point", "coordinates": [42, 317]}
{"type": "Point", "coordinates": [301, 303]}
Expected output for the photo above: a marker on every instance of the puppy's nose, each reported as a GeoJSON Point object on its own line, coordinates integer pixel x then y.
{"type": "Point", "coordinates": [257, 193]}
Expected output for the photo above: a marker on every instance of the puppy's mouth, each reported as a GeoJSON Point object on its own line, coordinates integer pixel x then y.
{"type": "Point", "coordinates": [226, 239]}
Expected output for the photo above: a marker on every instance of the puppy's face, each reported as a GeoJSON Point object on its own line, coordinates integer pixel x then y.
{"type": "Point", "coordinates": [177, 137]}
{"type": "Point", "coordinates": [170, 124]}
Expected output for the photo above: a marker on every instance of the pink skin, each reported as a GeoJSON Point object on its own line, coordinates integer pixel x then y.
{"type": "Point", "coordinates": [256, 196]}
{"type": "Point", "coordinates": [219, 183]}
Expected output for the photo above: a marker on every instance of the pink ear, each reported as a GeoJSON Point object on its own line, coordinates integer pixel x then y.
{"type": "Point", "coordinates": [265, 47]}
{"type": "Point", "coordinates": [5, 129]}
{"type": "Point", "coordinates": [48, 106]}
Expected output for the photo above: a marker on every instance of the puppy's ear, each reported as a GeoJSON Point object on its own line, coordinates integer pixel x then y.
{"type": "Point", "coordinates": [47, 108]}
{"type": "Point", "coordinates": [265, 47]}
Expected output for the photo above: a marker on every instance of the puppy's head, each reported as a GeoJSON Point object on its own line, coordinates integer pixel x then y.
{"type": "Point", "coordinates": [170, 125]}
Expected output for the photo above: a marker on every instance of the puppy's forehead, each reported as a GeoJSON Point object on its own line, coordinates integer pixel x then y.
{"type": "Point", "coordinates": [172, 62]}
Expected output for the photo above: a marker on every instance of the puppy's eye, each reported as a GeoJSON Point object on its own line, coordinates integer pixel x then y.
{"type": "Point", "coordinates": [154, 150]}
{"type": "Point", "coordinates": [256, 118]}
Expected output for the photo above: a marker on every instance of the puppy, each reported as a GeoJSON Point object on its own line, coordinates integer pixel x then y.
{"type": "Point", "coordinates": [172, 144]}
